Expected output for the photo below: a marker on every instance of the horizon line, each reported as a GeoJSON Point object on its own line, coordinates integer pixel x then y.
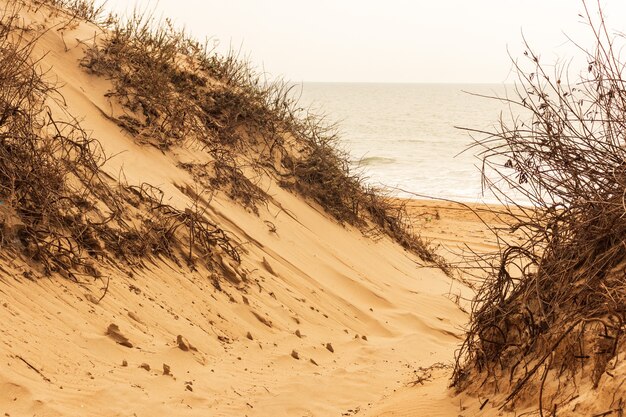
{"type": "Point", "coordinates": [404, 82]}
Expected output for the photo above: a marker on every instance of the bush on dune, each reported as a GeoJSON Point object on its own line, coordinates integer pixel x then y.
{"type": "Point", "coordinates": [59, 208]}
{"type": "Point", "coordinates": [554, 304]}
{"type": "Point", "coordinates": [49, 169]}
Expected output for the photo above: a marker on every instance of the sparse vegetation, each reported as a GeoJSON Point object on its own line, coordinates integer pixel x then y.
{"type": "Point", "coordinates": [554, 304]}
{"type": "Point", "coordinates": [177, 91]}
{"type": "Point", "coordinates": [85, 10]}
{"type": "Point", "coordinates": [61, 209]}
{"type": "Point", "coordinates": [43, 208]}
{"type": "Point", "coordinates": [58, 207]}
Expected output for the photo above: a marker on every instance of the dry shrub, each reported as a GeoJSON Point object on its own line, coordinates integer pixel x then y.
{"type": "Point", "coordinates": [554, 303]}
{"type": "Point", "coordinates": [163, 78]}
{"type": "Point", "coordinates": [144, 67]}
{"type": "Point", "coordinates": [57, 205]}
{"type": "Point", "coordinates": [159, 232]}
{"type": "Point", "coordinates": [78, 9]}
{"type": "Point", "coordinates": [225, 174]}
{"type": "Point", "coordinates": [323, 173]}
{"type": "Point", "coordinates": [48, 168]}
{"type": "Point", "coordinates": [390, 216]}
{"type": "Point", "coordinates": [174, 88]}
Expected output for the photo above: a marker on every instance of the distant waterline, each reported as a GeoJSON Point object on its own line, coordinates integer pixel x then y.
{"type": "Point", "coordinates": [403, 136]}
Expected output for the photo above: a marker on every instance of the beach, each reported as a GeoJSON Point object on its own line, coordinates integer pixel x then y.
{"type": "Point", "coordinates": [179, 236]}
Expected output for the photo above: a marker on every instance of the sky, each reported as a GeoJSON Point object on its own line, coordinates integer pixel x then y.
{"type": "Point", "coordinates": [436, 41]}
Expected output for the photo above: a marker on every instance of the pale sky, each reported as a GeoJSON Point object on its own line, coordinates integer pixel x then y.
{"type": "Point", "coordinates": [462, 41]}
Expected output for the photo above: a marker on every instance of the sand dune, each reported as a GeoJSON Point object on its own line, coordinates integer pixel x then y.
{"type": "Point", "coordinates": [342, 295]}
{"type": "Point", "coordinates": [318, 319]}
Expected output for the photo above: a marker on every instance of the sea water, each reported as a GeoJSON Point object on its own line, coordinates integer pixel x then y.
{"type": "Point", "coordinates": [408, 138]}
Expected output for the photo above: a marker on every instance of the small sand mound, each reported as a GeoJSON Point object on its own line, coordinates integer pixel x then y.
{"type": "Point", "coordinates": [113, 331]}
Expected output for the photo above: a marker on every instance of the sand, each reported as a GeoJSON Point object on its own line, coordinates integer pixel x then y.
{"type": "Point", "coordinates": [328, 322]}
{"type": "Point", "coordinates": [383, 314]}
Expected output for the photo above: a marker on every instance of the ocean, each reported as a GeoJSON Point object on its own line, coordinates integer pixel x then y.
{"type": "Point", "coordinates": [403, 137]}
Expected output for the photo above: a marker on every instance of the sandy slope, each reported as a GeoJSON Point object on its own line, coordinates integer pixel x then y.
{"type": "Point", "coordinates": [455, 229]}
{"type": "Point", "coordinates": [260, 347]}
